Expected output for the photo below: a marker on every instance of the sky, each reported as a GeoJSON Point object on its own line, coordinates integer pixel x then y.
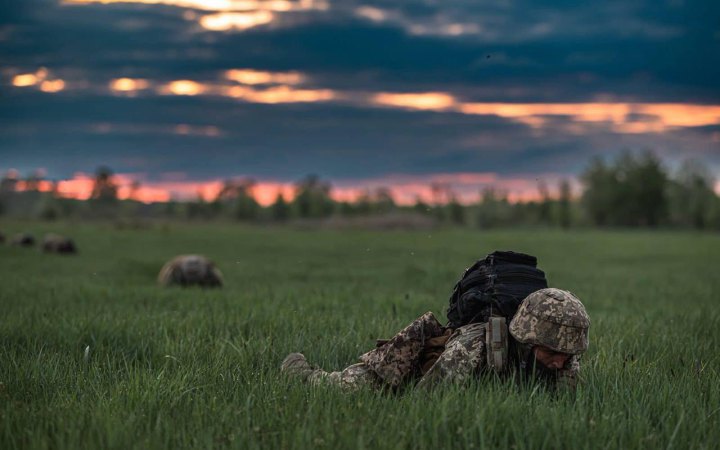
{"type": "Point", "coordinates": [182, 94]}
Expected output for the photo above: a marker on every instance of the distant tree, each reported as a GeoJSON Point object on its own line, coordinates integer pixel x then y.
{"type": "Point", "coordinates": [312, 197]}
{"type": "Point", "coordinates": [601, 191]}
{"type": "Point", "coordinates": [644, 183]}
{"type": "Point", "coordinates": [9, 181]}
{"type": "Point", "coordinates": [441, 193]}
{"type": "Point", "coordinates": [347, 208]}
{"type": "Point", "coordinates": [631, 192]}
{"type": "Point", "coordinates": [420, 206]}
{"type": "Point", "coordinates": [564, 204]}
{"type": "Point", "coordinates": [361, 206]}
{"type": "Point", "coordinates": [382, 200]}
{"type": "Point", "coordinates": [493, 207]}
{"type": "Point", "coordinates": [134, 193]}
{"type": "Point", "coordinates": [236, 196]}
{"type": "Point", "coordinates": [170, 209]}
{"type": "Point", "coordinates": [692, 197]}
{"type": "Point", "coordinates": [280, 208]}
{"type": "Point", "coordinates": [246, 207]}
{"type": "Point", "coordinates": [545, 204]}
{"type": "Point", "coordinates": [456, 211]}
{"type": "Point", "coordinates": [104, 189]}
{"type": "Point", "coordinates": [32, 182]}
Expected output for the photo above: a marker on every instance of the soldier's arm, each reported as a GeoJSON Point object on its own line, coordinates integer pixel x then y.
{"type": "Point", "coordinates": [464, 356]}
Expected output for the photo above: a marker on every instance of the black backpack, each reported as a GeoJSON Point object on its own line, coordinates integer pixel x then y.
{"type": "Point", "coordinates": [494, 286]}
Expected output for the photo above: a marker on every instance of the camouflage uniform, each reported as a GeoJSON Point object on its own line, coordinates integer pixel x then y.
{"type": "Point", "coordinates": [53, 243]}
{"type": "Point", "coordinates": [188, 270]}
{"type": "Point", "coordinates": [23, 240]}
{"type": "Point", "coordinates": [549, 317]}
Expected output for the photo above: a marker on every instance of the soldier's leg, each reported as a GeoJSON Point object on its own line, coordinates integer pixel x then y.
{"type": "Point", "coordinates": [396, 360]}
{"type": "Point", "coordinates": [352, 377]}
{"type": "Point", "coordinates": [464, 355]}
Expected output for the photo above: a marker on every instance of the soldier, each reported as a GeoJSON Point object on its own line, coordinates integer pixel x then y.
{"type": "Point", "coordinates": [549, 331]}
{"type": "Point", "coordinates": [23, 240]}
{"type": "Point", "coordinates": [188, 270]}
{"type": "Point", "coordinates": [53, 243]}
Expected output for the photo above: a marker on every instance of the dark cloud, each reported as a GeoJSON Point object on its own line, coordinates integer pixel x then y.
{"type": "Point", "coordinates": [519, 51]}
{"type": "Point", "coordinates": [79, 133]}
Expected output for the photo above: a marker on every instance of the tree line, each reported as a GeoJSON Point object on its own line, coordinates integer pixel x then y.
{"type": "Point", "coordinates": [634, 189]}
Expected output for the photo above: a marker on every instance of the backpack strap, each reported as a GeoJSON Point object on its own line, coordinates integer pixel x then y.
{"type": "Point", "coordinates": [496, 341]}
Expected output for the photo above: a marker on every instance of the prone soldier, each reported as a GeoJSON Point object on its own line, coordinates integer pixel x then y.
{"type": "Point", "coordinates": [53, 243]}
{"type": "Point", "coordinates": [544, 340]}
{"type": "Point", "coordinates": [189, 270]}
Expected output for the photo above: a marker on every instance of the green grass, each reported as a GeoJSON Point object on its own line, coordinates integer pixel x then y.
{"type": "Point", "coordinates": [173, 368]}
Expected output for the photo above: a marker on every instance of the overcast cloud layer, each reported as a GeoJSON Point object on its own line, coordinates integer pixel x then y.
{"type": "Point", "coordinates": [319, 107]}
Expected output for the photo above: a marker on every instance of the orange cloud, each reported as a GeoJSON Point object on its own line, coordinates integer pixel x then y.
{"type": "Point", "coordinates": [250, 76]}
{"type": "Point", "coordinates": [221, 5]}
{"type": "Point", "coordinates": [243, 84]}
{"type": "Point", "coordinates": [128, 85]}
{"type": "Point", "coordinates": [652, 117]}
{"type": "Point", "coordinates": [25, 79]}
{"type": "Point", "coordinates": [236, 20]}
{"type": "Point", "coordinates": [183, 87]}
{"type": "Point", "coordinates": [422, 101]}
{"type": "Point", "coordinates": [52, 86]}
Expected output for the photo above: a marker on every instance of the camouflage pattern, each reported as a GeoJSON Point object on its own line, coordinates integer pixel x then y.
{"type": "Point", "coordinates": [189, 270]}
{"type": "Point", "coordinates": [53, 243]}
{"type": "Point", "coordinates": [497, 343]}
{"type": "Point", "coordinates": [464, 356]}
{"type": "Point", "coordinates": [354, 377]}
{"type": "Point", "coordinates": [432, 354]}
{"type": "Point", "coordinates": [398, 359]}
{"type": "Point", "coordinates": [552, 318]}
{"type": "Point", "coordinates": [23, 240]}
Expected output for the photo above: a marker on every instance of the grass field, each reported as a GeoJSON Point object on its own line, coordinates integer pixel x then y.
{"type": "Point", "coordinates": [173, 368]}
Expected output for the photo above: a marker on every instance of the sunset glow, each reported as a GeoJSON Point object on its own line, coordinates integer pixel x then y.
{"type": "Point", "coordinates": [406, 190]}
{"type": "Point", "coordinates": [221, 5]}
{"type": "Point", "coordinates": [25, 79]}
{"type": "Point", "coordinates": [250, 76]}
{"type": "Point", "coordinates": [235, 20]}
{"type": "Point", "coordinates": [422, 101]}
{"type": "Point", "coordinates": [285, 94]}
{"type": "Point", "coordinates": [52, 86]}
{"type": "Point", "coordinates": [278, 94]}
{"type": "Point", "coordinates": [183, 87]}
{"type": "Point", "coordinates": [619, 117]}
{"type": "Point", "coordinates": [618, 114]}
{"type": "Point", "coordinates": [128, 84]}
{"type": "Point", "coordinates": [30, 79]}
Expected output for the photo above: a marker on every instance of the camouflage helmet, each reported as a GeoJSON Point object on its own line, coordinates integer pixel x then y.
{"type": "Point", "coordinates": [53, 243]}
{"type": "Point", "coordinates": [552, 318]}
{"type": "Point", "coordinates": [187, 270]}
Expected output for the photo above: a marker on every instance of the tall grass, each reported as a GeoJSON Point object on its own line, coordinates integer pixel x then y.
{"type": "Point", "coordinates": [173, 368]}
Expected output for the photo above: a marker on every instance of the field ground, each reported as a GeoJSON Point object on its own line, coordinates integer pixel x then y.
{"type": "Point", "coordinates": [172, 368]}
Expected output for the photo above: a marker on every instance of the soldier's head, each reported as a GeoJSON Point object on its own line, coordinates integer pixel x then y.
{"type": "Point", "coordinates": [554, 324]}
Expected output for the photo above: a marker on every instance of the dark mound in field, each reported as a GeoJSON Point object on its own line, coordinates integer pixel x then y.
{"type": "Point", "coordinates": [190, 270]}
{"type": "Point", "coordinates": [53, 243]}
{"type": "Point", "coordinates": [23, 240]}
